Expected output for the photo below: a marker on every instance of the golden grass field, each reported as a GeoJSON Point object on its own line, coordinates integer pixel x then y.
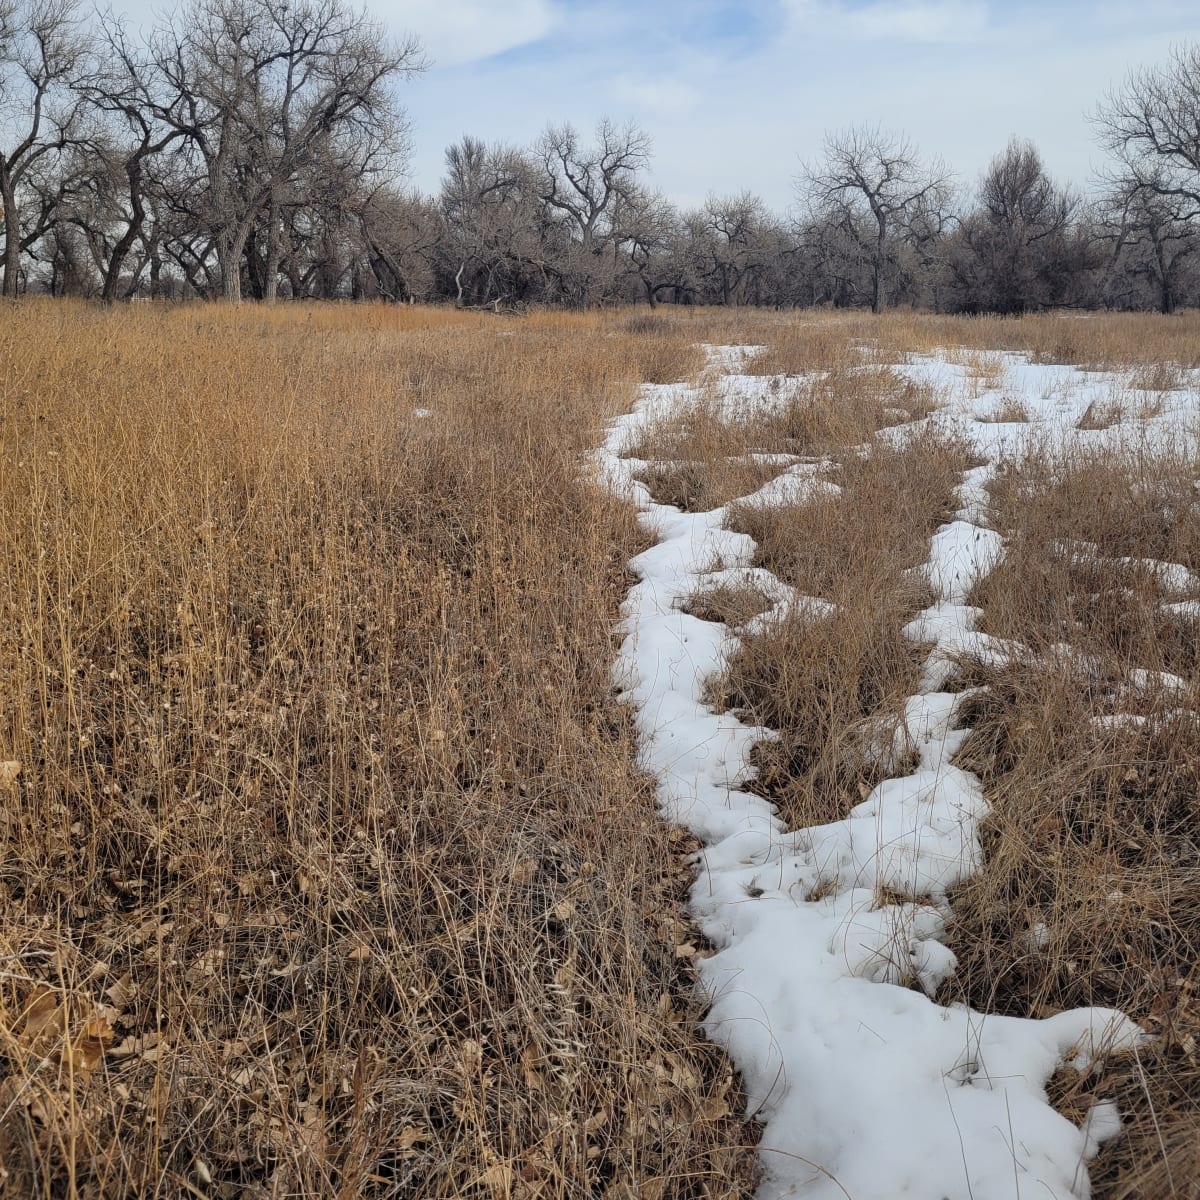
{"type": "Point", "coordinates": [327, 868]}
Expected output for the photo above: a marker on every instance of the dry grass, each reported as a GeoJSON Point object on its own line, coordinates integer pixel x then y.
{"type": "Point", "coordinates": [1155, 349]}
{"type": "Point", "coordinates": [1158, 345]}
{"type": "Point", "coordinates": [828, 686]}
{"type": "Point", "coordinates": [327, 869]}
{"type": "Point", "coordinates": [714, 453]}
{"type": "Point", "coordinates": [1091, 889]}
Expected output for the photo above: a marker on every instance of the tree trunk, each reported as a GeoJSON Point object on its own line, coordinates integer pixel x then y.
{"type": "Point", "coordinates": [271, 283]}
{"type": "Point", "coordinates": [12, 233]}
{"type": "Point", "coordinates": [877, 259]}
{"type": "Point", "coordinates": [1166, 298]}
{"type": "Point", "coordinates": [116, 260]}
{"type": "Point", "coordinates": [231, 246]}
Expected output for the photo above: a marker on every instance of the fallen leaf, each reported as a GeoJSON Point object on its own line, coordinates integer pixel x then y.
{"type": "Point", "coordinates": [498, 1179]}
{"type": "Point", "coordinates": [43, 1016]}
{"type": "Point", "coordinates": [121, 992]}
{"type": "Point", "coordinates": [413, 1135]}
{"type": "Point", "coordinates": [89, 1045]}
{"type": "Point", "coordinates": [8, 772]}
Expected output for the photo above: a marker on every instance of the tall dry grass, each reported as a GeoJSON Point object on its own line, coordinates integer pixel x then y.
{"type": "Point", "coordinates": [828, 686]}
{"type": "Point", "coordinates": [325, 866]}
{"type": "Point", "coordinates": [1090, 890]}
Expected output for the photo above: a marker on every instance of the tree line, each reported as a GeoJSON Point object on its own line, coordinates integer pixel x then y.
{"type": "Point", "coordinates": [255, 148]}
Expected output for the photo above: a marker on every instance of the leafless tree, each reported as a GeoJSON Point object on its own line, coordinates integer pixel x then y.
{"type": "Point", "coordinates": [1154, 235]}
{"type": "Point", "coordinates": [653, 233]}
{"type": "Point", "coordinates": [134, 134]}
{"type": "Point", "coordinates": [400, 235]}
{"type": "Point", "coordinates": [585, 187]}
{"type": "Point", "coordinates": [42, 55]}
{"type": "Point", "coordinates": [492, 222]}
{"type": "Point", "coordinates": [258, 88]}
{"type": "Point", "coordinates": [874, 179]}
{"type": "Point", "coordinates": [728, 233]}
{"type": "Point", "coordinates": [1152, 125]}
{"type": "Point", "coordinates": [1015, 252]}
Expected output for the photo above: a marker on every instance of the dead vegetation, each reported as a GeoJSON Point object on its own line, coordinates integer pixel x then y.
{"type": "Point", "coordinates": [1089, 892]}
{"type": "Point", "coordinates": [314, 801]}
{"type": "Point", "coordinates": [1090, 759]}
{"type": "Point", "coordinates": [828, 685]}
{"type": "Point", "coordinates": [326, 869]}
{"type": "Point", "coordinates": [728, 444]}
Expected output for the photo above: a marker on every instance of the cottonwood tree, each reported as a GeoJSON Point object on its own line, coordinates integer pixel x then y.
{"type": "Point", "coordinates": [493, 225]}
{"type": "Point", "coordinates": [584, 187]}
{"type": "Point", "coordinates": [134, 134]}
{"type": "Point", "coordinates": [653, 233]}
{"type": "Point", "coordinates": [400, 235]}
{"type": "Point", "coordinates": [729, 236]}
{"type": "Point", "coordinates": [1014, 252]}
{"type": "Point", "coordinates": [1152, 125]}
{"type": "Point", "coordinates": [258, 88]}
{"type": "Point", "coordinates": [868, 182]}
{"type": "Point", "coordinates": [43, 53]}
{"type": "Point", "coordinates": [1154, 235]}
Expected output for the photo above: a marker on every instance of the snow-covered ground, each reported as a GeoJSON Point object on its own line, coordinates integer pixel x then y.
{"type": "Point", "coordinates": [868, 1088]}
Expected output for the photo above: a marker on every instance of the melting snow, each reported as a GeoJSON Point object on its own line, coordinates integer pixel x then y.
{"type": "Point", "coordinates": [867, 1087]}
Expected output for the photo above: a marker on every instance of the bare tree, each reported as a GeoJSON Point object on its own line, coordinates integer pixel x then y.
{"type": "Point", "coordinates": [257, 88]}
{"type": "Point", "coordinates": [728, 236]}
{"type": "Point", "coordinates": [1015, 251]}
{"type": "Point", "coordinates": [1152, 125]}
{"type": "Point", "coordinates": [653, 234]}
{"type": "Point", "coordinates": [1153, 233]}
{"type": "Point", "coordinates": [400, 236]}
{"type": "Point", "coordinates": [874, 179]}
{"type": "Point", "coordinates": [585, 186]}
{"type": "Point", "coordinates": [492, 221]}
{"type": "Point", "coordinates": [42, 55]}
{"type": "Point", "coordinates": [137, 132]}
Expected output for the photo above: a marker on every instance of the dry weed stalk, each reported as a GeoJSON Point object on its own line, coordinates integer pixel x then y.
{"type": "Point", "coordinates": [327, 869]}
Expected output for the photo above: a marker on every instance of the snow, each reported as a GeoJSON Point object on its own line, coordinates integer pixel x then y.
{"type": "Point", "coordinates": [822, 979]}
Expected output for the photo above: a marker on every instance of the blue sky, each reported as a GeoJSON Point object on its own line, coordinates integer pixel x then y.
{"type": "Point", "coordinates": [735, 95]}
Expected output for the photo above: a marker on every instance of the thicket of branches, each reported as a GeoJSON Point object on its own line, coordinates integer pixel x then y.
{"type": "Point", "coordinates": [255, 148]}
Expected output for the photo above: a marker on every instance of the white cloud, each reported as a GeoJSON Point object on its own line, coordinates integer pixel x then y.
{"type": "Point", "coordinates": [934, 21]}
{"type": "Point", "coordinates": [656, 97]}
{"type": "Point", "coordinates": [453, 32]}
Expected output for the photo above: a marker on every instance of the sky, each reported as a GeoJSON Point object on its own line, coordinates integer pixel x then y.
{"type": "Point", "coordinates": [737, 95]}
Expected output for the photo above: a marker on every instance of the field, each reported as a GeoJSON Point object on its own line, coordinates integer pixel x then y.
{"type": "Point", "coordinates": [335, 864]}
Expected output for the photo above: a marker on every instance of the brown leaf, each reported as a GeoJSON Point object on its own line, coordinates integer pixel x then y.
{"type": "Point", "coordinates": [121, 992]}
{"type": "Point", "coordinates": [43, 1016]}
{"type": "Point", "coordinates": [498, 1179]}
{"type": "Point", "coordinates": [412, 1136]}
{"type": "Point", "coordinates": [90, 1043]}
{"type": "Point", "coordinates": [9, 770]}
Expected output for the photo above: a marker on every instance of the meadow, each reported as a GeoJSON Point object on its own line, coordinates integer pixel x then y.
{"type": "Point", "coordinates": [330, 862]}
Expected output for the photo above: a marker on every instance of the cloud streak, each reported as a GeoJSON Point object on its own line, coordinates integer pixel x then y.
{"type": "Point", "coordinates": [454, 32]}
{"type": "Point", "coordinates": [922, 21]}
